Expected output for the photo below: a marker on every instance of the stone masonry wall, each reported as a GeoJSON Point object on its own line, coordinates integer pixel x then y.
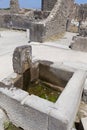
{"type": "Point", "coordinates": [15, 21]}
{"type": "Point", "coordinates": [41, 30]}
{"type": "Point", "coordinates": [47, 5]}
{"type": "Point", "coordinates": [83, 11]}
{"type": "Point", "coordinates": [14, 6]}
{"type": "Point", "coordinates": [56, 21]}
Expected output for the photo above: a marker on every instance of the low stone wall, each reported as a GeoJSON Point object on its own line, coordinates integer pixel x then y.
{"type": "Point", "coordinates": [16, 21]}
{"type": "Point", "coordinates": [79, 44]}
{"type": "Point", "coordinates": [4, 11]}
{"type": "Point", "coordinates": [2, 23]}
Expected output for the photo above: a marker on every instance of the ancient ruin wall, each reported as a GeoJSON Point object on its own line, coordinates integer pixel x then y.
{"type": "Point", "coordinates": [43, 29]}
{"type": "Point", "coordinates": [14, 6]}
{"type": "Point", "coordinates": [56, 21]}
{"type": "Point", "coordinates": [82, 11]}
{"type": "Point", "coordinates": [47, 5]}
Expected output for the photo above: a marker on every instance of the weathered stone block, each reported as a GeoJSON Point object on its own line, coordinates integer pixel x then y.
{"type": "Point", "coordinates": [34, 71]}
{"type": "Point", "coordinates": [79, 44]}
{"type": "Point", "coordinates": [22, 59]}
{"type": "Point", "coordinates": [20, 113]}
{"type": "Point", "coordinates": [37, 32]}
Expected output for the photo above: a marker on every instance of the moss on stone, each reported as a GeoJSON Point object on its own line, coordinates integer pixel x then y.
{"type": "Point", "coordinates": [44, 91]}
{"type": "Point", "coordinates": [10, 126]}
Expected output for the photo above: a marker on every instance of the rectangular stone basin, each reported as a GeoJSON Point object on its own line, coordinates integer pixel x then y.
{"type": "Point", "coordinates": [31, 112]}
{"type": "Point", "coordinates": [45, 81]}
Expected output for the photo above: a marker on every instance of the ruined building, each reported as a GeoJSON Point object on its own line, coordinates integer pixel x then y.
{"type": "Point", "coordinates": [82, 11]}
{"type": "Point", "coordinates": [49, 22]}
{"type": "Point", "coordinates": [14, 6]}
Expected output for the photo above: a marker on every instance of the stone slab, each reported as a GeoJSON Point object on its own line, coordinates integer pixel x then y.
{"type": "Point", "coordinates": [23, 116]}
{"type": "Point", "coordinates": [22, 57]}
{"type": "Point", "coordinates": [84, 123]}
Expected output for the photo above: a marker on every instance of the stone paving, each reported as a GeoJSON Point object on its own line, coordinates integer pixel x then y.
{"type": "Point", "coordinates": [9, 40]}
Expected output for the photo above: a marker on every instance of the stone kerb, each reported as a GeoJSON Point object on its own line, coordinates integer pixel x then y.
{"type": "Point", "coordinates": [34, 113]}
{"type": "Point", "coordinates": [22, 58]}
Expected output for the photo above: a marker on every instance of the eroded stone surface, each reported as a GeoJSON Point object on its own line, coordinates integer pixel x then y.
{"type": "Point", "coordinates": [14, 6]}
{"type": "Point", "coordinates": [22, 59]}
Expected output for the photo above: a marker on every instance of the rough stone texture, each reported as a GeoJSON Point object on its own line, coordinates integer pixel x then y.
{"type": "Point", "coordinates": [34, 71]}
{"type": "Point", "coordinates": [37, 32]}
{"type": "Point", "coordinates": [14, 6]}
{"type": "Point", "coordinates": [82, 12]}
{"type": "Point", "coordinates": [47, 5]}
{"type": "Point", "coordinates": [56, 22]}
{"type": "Point", "coordinates": [79, 43]}
{"type": "Point", "coordinates": [22, 59]}
{"type": "Point", "coordinates": [41, 14]}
